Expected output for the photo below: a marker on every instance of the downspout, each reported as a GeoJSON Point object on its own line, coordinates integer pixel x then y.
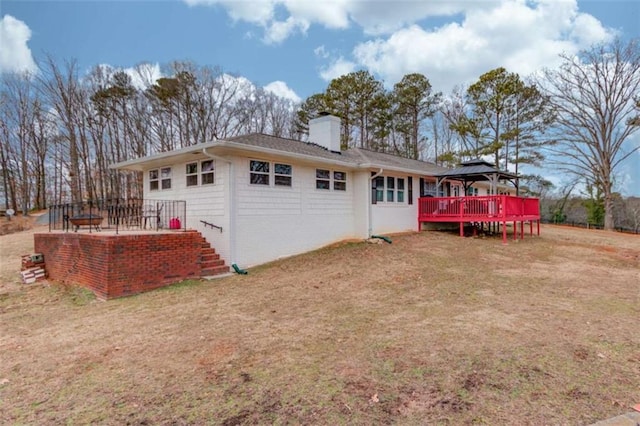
{"type": "Point", "coordinates": [232, 204]}
{"type": "Point", "coordinates": [369, 210]}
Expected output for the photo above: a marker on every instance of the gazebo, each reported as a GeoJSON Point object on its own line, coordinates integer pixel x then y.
{"type": "Point", "coordinates": [477, 170]}
{"type": "Point", "coordinates": [492, 209]}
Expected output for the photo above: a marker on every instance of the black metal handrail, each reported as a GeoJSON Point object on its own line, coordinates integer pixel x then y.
{"type": "Point", "coordinates": [211, 225]}
{"type": "Point", "coordinates": [119, 214]}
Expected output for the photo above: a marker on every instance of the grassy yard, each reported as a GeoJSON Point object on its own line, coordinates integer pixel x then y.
{"type": "Point", "coordinates": [432, 329]}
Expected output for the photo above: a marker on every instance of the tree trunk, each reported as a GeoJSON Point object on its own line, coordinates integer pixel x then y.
{"type": "Point", "coordinates": [609, 221]}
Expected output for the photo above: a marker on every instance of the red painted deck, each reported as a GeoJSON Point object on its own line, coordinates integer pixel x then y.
{"type": "Point", "coordinates": [490, 208]}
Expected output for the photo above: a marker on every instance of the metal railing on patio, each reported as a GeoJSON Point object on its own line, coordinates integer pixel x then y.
{"type": "Point", "coordinates": [118, 214]}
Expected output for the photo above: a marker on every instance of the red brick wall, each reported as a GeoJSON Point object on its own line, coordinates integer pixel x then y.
{"type": "Point", "coordinates": [120, 265]}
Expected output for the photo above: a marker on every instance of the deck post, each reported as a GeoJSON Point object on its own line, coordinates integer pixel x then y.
{"type": "Point", "coordinates": [504, 232]}
{"type": "Point", "coordinates": [515, 231]}
{"type": "Point", "coordinates": [522, 229]}
{"type": "Point", "coordinates": [538, 221]}
{"type": "Point", "coordinates": [462, 229]}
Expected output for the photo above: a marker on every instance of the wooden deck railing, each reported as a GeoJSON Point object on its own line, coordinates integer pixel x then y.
{"type": "Point", "coordinates": [478, 209]}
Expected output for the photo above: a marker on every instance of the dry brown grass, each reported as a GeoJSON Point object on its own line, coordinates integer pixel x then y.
{"type": "Point", "coordinates": [432, 329]}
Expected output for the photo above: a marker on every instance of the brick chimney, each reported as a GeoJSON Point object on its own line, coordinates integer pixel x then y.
{"type": "Point", "coordinates": [325, 131]}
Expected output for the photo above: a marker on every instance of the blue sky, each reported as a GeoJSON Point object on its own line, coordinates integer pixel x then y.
{"type": "Point", "coordinates": [295, 47]}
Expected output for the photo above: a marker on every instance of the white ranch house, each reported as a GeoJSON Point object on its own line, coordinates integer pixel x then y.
{"type": "Point", "coordinates": [276, 197]}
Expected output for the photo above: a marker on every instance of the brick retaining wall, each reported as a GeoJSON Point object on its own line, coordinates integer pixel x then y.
{"type": "Point", "coordinates": [120, 265]}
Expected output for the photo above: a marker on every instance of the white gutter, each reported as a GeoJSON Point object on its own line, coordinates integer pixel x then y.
{"type": "Point", "coordinates": [232, 204]}
{"type": "Point", "coordinates": [369, 210]}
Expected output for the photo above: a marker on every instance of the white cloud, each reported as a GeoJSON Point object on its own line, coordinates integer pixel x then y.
{"type": "Point", "coordinates": [278, 31]}
{"type": "Point", "coordinates": [15, 55]}
{"type": "Point", "coordinates": [628, 175]}
{"type": "Point", "coordinates": [518, 35]}
{"type": "Point", "coordinates": [280, 88]}
{"type": "Point", "coordinates": [281, 19]}
{"type": "Point", "coordinates": [337, 68]}
{"type": "Point", "coordinates": [321, 52]}
{"type": "Point", "coordinates": [373, 16]}
{"type": "Point", "coordinates": [257, 12]}
{"type": "Point", "coordinates": [144, 75]}
{"type": "Point", "coordinates": [587, 30]}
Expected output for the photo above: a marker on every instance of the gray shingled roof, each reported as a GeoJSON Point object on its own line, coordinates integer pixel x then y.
{"type": "Point", "coordinates": [389, 160]}
{"type": "Point", "coordinates": [356, 156]}
{"type": "Point", "coordinates": [287, 145]}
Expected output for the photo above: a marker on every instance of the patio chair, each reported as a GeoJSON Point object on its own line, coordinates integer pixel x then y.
{"type": "Point", "coordinates": [151, 213]}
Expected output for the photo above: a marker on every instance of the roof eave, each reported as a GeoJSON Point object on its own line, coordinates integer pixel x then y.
{"type": "Point", "coordinates": [138, 164]}
{"type": "Point", "coordinates": [408, 170]}
{"type": "Point", "coordinates": [286, 154]}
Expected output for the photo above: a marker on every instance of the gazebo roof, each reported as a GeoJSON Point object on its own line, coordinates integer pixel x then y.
{"type": "Point", "coordinates": [475, 171]}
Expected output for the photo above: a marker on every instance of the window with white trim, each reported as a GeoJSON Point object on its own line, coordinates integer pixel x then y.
{"type": "Point", "coordinates": [389, 189]}
{"type": "Point", "coordinates": [323, 179]}
{"type": "Point", "coordinates": [327, 179]}
{"type": "Point", "coordinates": [282, 174]}
{"type": "Point", "coordinates": [192, 174]}
{"type": "Point", "coordinates": [400, 190]}
{"type": "Point", "coordinates": [430, 189]}
{"type": "Point", "coordinates": [165, 178]}
{"type": "Point", "coordinates": [200, 173]}
{"type": "Point", "coordinates": [154, 180]}
{"type": "Point", "coordinates": [268, 173]}
{"type": "Point", "coordinates": [380, 188]}
{"type": "Point", "coordinates": [160, 179]}
{"type": "Point", "coordinates": [259, 172]}
{"type": "Point", "coordinates": [207, 172]}
{"type": "Point", "coordinates": [339, 181]}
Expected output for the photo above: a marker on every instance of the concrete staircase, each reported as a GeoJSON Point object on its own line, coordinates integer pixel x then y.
{"type": "Point", "coordinates": [210, 262]}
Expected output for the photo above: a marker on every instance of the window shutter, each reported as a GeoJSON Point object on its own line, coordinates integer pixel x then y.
{"type": "Point", "coordinates": [421, 192]}
{"type": "Point", "coordinates": [410, 188]}
{"type": "Point", "coordinates": [374, 197]}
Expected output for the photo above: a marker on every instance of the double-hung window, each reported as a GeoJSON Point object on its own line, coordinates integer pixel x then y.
{"type": "Point", "coordinates": [432, 190]}
{"type": "Point", "coordinates": [207, 172]}
{"type": "Point", "coordinates": [202, 173]}
{"type": "Point", "coordinates": [323, 179]}
{"type": "Point", "coordinates": [192, 174]}
{"type": "Point", "coordinates": [327, 179]}
{"type": "Point", "coordinates": [259, 172]}
{"type": "Point", "coordinates": [389, 189]}
{"type": "Point", "coordinates": [160, 179]}
{"type": "Point", "coordinates": [267, 173]}
{"type": "Point", "coordinates": [339, 181]}
{"type": "Point", "coordinates": [400, 190]}
{"type": "Point", "coordinates": [282, 174]}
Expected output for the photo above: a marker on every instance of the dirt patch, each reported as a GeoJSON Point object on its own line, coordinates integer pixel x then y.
{"type": "Point", "coordinates": [431, 329]}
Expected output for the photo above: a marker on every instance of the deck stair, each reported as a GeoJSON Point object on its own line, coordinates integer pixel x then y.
{"type": "Point", "coordinates": [210, 262]}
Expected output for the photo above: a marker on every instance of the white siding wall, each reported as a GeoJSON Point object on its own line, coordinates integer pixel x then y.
{"type": "Point", "coordinates": [204, 202]}
{"type": "Point", "coordinates": [276, 221]}
{"type": "Point", "coordinates": [362, 203]}
{"type": "Point", "coordinates": [272, 222]}
{"type": "Point", "coordinates": [390, 217]}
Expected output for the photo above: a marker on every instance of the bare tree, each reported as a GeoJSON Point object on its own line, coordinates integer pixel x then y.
{"type": "Point", "coordinates": [19, 114]}
{"type": "Point", "coordinates": [595, 95]}
{"type": "Point", "coordinates": [60, 88]}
